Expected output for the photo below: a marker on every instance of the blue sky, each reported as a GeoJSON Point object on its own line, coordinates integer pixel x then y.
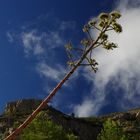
{"type": "Point", "coordinates": [33, 59]}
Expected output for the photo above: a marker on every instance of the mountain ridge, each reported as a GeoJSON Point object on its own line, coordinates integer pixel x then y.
{"type": "Point", "coordinates": [21, 109]}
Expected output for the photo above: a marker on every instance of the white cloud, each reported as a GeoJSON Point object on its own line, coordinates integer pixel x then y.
{"type": "Point", "coordinates": [36, 43]}
{"type": "Point", "coordinates": [121, 66]}
{"type": "Point", "coordinates": [10, 36]}
{"type": "Point", "coordinates": [85, 109]}
{"type": "Point", "coordinates": [32, 42]}
{"type": "Point", "coordinates": [67, 25]}
{"type": "Point", "coordinates": [56, 73]}
{"type": "Point", "coordinates": [42, 44]}
{"type": "Point", "coordinates": [54, 39]}
{"type": "Point", "coordinates": [43, 47]}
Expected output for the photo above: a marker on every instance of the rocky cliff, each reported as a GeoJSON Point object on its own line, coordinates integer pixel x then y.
{"type": "Point", "coordinates": [17, 112]}
{"type": "Point", "coordinates": [85, 128]}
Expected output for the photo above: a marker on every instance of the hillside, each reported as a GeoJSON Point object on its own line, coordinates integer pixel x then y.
{"type": "Point", "coordinates": [84, 128]}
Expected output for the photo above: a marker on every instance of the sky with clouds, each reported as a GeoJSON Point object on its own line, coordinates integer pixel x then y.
{"type": "Point", "coordinates": [33, 59]}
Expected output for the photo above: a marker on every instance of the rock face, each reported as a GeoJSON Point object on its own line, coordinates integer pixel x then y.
{"type": "Point", "coordinates": [19, 110]}
{"type": "Point", "coordinates": [125, 117]}
{"type": "Point", "coordinates": [80, 127]}
{"type": "Point", "coordinates": [85, 128]}
{"type": "Point", "coordinates": [21, 107]}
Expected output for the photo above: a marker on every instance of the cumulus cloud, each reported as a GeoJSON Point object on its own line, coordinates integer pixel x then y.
{"type": "Point", "coordinates": [85, 108]}
{"type": "Point", "coordinates": [119, 68]}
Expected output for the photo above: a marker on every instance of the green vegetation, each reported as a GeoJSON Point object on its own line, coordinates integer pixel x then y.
{"type": "Point", "coordinates": [116, 130]}
{"type": "Point", "coordinates": [44, 126]}
{"type": "Point", "coordinates": [111, 131]}
{"type": "Point", "coordinates": [42, 129]}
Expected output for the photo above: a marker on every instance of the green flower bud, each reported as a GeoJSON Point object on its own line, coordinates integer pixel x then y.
{"type": "Point", "coordinates": [95, 69]}
{"type": "Point", "coordinates": [104, 16]}
{"type": "Point", "coordinates": [113, 20]}
{"type": "Point", "coordinates": [117, 27]}
{"type": "Point", "coordinates": [71, 63]}
{"type": "Point", "coordinates": [101, 24]}
{"type": "Point", "coordinates": [109, 46]}
{"type": "Point", "coordinates": [85, 42]}
{"type": "Point", "coordinates": [104, 36]}
{"type": "Point", "coordinates": [86, 28]}
{"type": "Point", "coordinates": [91, 23]}
{"type": "Point", "coordinates": [93, 62]}
{"type": "Point", "coordinates": [68, 46]}
{"type": "Point", "coordinates": [115, 14]}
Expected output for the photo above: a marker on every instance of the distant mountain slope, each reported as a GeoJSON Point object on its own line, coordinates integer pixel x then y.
{"type": "Point", "coordinates": [85, 128]}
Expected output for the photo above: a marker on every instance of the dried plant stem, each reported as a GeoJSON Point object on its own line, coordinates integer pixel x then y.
{"type": "Point", "coordinates": [50, 96]}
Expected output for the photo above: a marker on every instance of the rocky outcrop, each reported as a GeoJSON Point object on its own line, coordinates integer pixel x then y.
{"type": "Point", "coordinates": [19, 110]}
{"type": "Point", "coordinates": [80, 127]}
{"type": "Point", "coordinates": [125, 117]}
{"type": "Point", "coordinates": [85, 128]}
{"type": "Point", "coordinates": [21, 107]}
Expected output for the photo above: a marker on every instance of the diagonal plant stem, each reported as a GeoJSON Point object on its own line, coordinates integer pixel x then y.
{"type": "Point", "coordinates": [87, 51]}
{"type": "Point", "coordinates": [50, 96]}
